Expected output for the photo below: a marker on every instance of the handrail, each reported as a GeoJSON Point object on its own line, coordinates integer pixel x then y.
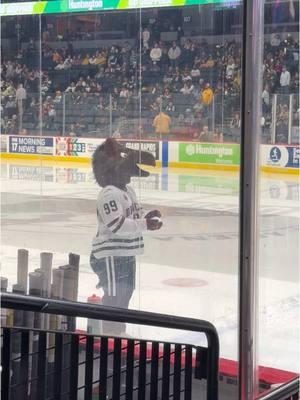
{"type": "Point", "coordinates": [85, 310]}
{"type": "Point", "coordinates": [283, 392]}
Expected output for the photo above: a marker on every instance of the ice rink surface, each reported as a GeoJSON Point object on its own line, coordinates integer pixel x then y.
{"type": "Point", "coordinates": [189, 267]}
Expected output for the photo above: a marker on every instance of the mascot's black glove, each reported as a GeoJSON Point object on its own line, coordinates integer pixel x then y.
{"type": "Point", "coordinates": [153, 214]}
{"type": "Point", "coordinates": [153, 220]}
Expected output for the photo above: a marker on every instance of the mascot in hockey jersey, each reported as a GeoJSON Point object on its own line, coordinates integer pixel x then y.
{"type": "Point", "coordinates": [121, 223]}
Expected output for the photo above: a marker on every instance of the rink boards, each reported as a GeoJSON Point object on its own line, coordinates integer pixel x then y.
{"type": "Point", "coordinates": [212, 156]}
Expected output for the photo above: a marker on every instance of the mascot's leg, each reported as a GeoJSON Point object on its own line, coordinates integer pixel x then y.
{"type": "Point", "coordinates": [117, 279]}
{"type": "Point", "coordinates": [120, 287]}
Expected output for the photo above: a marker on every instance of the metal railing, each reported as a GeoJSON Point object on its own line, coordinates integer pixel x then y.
{"type": "Point", "coordinates": [288, 391]}
{"type": "Point", "coordinates": [130, 370]}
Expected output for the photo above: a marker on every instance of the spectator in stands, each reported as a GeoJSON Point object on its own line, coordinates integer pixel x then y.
{"type": "Point", "coordinates": [162, 124]}
{"type": "Point", "coordinates": [174, 55]}
{"type": "Point", "coordinates": [266, 100]}
{"type": "Point", "coordinates": [204, 135]}
{"type": "Point", "coordinates": [86, 60]}
{"type": "Point", "coordinates": [218, 136]}
{"type": "Point", "coordinates": [282, 131]}
{"type": "Point", "coordinates": [112, 61]}
{"type": "Point", "coordinates": [295, 83]}
{"type": "Point", "coordinates": [100, 58]}
{"type": "Point", "coordinates": [59, 66]}
{"type": "Point", "coordinates": [124, 93]}
{"type": "Point", "coordinates": [9, 90]}
{"type": "Point", "coordinates": [170, 107]}
{"type": "Point", "coordinates": [9, 70]}
{"type": "Point", "coordinates": [180, 33]}
{"type": "Point", "coordinates": [275, 40]}
{"type": "Point", "coordinates": [49, 123]}
{"type": "Point", "coordinates": [236, 121]}
{"type": "Point", "coordinates": [10, 107]}
{"type": "Point", "coordinates": [71, 88]}
{"type": "Point", "coordinates": [58, 97]}
{"type": "Point", "coordinates": [230, 69]}
{"type": "Point", "coordinates": [3, 127]}
{"type": "Point", "coordinates": [155, 54]}
{"type": "Point", "coordinates": [146, 37]}
{"type": "Point", "coordinates": [21, 96]}
{"type": "Point", "coordinates": [72, 132]}
{"type": "Point", "coordinates": [195, 74]}
{"type": "Point", "coordinates": [56, 57]}
{"type": "Point", "coordinates": [186, 75]}
{"type": "Point", "coordinates": [133, 59]}
{"type": "Point", "coordinates": [207, 95]}
{"type": "Point", "coordinates": [12, 126]}
{"type": "Point", "coordinates": [23, 132]}
{"type": "Point", "coordinates": [285, 80]}
{"type": "Point", "coordinates": [209, 63]}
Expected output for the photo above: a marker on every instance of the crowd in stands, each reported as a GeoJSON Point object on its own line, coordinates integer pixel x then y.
{"type": "Point", "coordinates": [195, 84]}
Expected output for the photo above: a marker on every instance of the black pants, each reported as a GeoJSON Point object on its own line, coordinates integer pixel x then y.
{"type": "Point", "coordinates": [117, 279]}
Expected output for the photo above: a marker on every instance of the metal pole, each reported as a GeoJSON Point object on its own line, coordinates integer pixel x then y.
{"type": "Point", "coordinates": [250, 134]}
{"type": "Point", "coordinates": [110, 115]}
{"type": "Point", "coordinates": [273, 124]}
{"type": "Point", "coordinates": [64, 115]}
{"type": "Point", "coordinates": [290, 118]}
{"type": "Point", "coordinates": [213, 116]}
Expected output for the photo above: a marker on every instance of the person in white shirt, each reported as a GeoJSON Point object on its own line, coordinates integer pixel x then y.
{"type": "Point", "coordinates": [21, 93]}
{"type": "Point", "coordinates": [60, 66]}
{"type": "Point", "coordinates": [265, 100]}
{"type": "Point", "coordinates": [275, 40]}
{"type": "Point", "coordinates": [21, 96]}
{"type": "Point", "coordinates": [71, 88]}
{"type": "Point", "coordinates": [121, 224]}
{"type": "Point", "coordinates": [174, 54]}
{"type": "Point", "coordinates": [155, 54]}
{"type": "Point", "coordinates": [285, 80]}
{"type": "Point", "coordinates": [124, 93]}
{"type": "Point", "coordinates": [230, 69]}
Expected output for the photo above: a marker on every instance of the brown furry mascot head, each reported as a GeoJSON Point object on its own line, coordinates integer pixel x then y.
{"type": "Point", "coordinates": [114, 164]}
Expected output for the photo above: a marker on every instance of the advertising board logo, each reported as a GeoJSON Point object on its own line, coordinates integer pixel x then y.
{"type": "Point", "coordinates": [62, 146]}
{"type": "Point", "coordinates": [296, 156]}
{"type": "Point", "coordinates": [275, 154]}
{"type": "Point", "coordinates": [85, 4]}
{"type": "Point", "coordinates": [30, 145]}
{"type": "Point", "coordinates": [190, 150]}
{"type": "Point", "coordinates": [151, 147]}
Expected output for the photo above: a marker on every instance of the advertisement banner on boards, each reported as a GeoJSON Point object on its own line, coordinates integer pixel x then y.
{"type": "Point", "coordinates": [280, 156]}
{"type": "Point", "coordinates": [63, 6]}
{"type": "Point", "coordinates": [31, 145]}
{"type": "Point", "coordinates": [209, 153]}
{"type": "Point", "coordinates": [3, 144]}
{"type": "Point", "coordinates": [151, 147]}
{"type": "Point", "coordinates": [76, 147]}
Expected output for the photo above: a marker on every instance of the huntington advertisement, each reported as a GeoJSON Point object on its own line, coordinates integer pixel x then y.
{"type": "Point", "coordinates": [209, 153]}
{"type": "Point", "coordinates": [64, 6]}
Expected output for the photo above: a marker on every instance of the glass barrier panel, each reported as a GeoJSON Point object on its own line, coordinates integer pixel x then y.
{"type": "Point", "coordinates": [166, 81]}
{"type": "Point", "coordinates": [279, 196]}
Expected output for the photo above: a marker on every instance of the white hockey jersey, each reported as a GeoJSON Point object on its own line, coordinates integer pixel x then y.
{"type": "Point", "coordinates": [120, 224]}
